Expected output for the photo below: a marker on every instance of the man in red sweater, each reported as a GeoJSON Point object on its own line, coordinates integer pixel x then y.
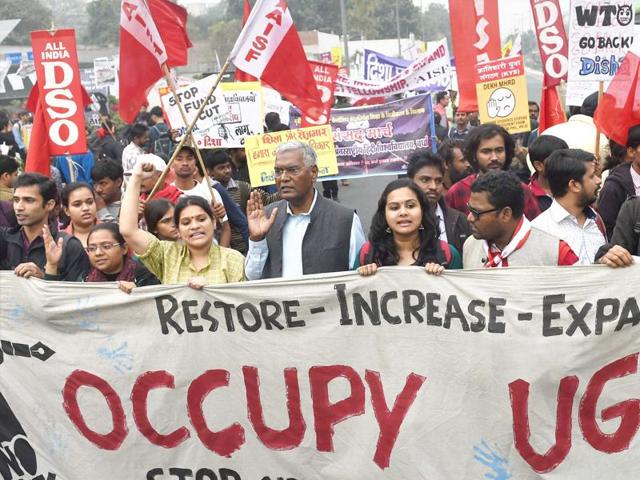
{"type": "Point", "coordinates": [488, 147]}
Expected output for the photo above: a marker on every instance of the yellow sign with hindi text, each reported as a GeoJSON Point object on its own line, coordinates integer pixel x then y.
{"type": "Point", "coordinates": [261, 152]}
{"type": "Point", "coordinates": [501, 87]}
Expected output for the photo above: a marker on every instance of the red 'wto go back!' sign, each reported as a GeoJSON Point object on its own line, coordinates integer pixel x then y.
{"type": "Point", "coordinates": [56, 62]}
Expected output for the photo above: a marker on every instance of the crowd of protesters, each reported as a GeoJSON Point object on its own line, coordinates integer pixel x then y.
{"type": "Point", "coordinates": [486, 199]}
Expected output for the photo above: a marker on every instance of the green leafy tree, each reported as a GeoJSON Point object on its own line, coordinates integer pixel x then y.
{"type": "Point", "coordinates": [103, 27]}
{"type": "Point", "coordinates": [71, 14]}
{"type": "Point", "coordinates": [222, 37]}
{"type": "Point", "coordinates": [198, 26]}
{"type": "Point", "coordinates": [34, 15]}
{"type": "Point", "coordinates": [436, 23]}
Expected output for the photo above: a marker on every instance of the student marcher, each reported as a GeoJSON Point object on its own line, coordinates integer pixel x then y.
{"type": "Point", "coordinates": [625, 240]}
{"type": "Point", "coordinates": [109, 256]}
{"type": "Point", "coordinates": [108, 176]}
{"type": "Point", "coordinates": [8, 175]}
{"type": "Point", "coordinates": [79, 204]}
{"type": "Point", "coordinates": [539, 151]}
{"type": "Point", "coordinates": [623, 182]}
{"type": "Point", "coordinates": [304, 232]}
{"type": "Point", "coordinates": [574, 181]}
{"type": "Point", "coordinates": [158, 215]}
{"type": "Point", "coordinates": [404, 231]}
{"type": "Point", "coordinates": [427, 170]}
{"type": "Point", "coordinates": [197, 260]}
{"type": "Point", "coordinates": [488, 147]}
{"type": "Point", "coordinates": [457, 167]}
{"type": "Point", "coordinates": [501, 234]}
{"type": "Point", "coordinates": [22, 248]}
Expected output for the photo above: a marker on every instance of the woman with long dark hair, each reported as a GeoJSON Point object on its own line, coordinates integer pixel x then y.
{"type": "Point", "coordinates": [404, 231]}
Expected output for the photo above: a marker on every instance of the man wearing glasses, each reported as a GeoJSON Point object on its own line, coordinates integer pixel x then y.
{"type": "Point", "coordinates": [303, 233]}
{"type": "Point", "coordinates": [502, 235]}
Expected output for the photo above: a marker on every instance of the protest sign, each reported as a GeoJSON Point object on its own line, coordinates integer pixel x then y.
{"type": "Point", "coordinates": [552, 39]}
{"type": "Point", "coordinates": [233, 112]}
{"type": "Point", "coordinates": [105, 72]}
{"type": "Point", "coordinates": [381, 68]}
{"type": "Point", "coordinates": [379, 139]}
{"type": "Point", "coordinates": [396, 376]}
{"type": "Point", "coordinates": [502, 94]}
{"type": "Point", "coordinates": [600, 34]}
{"type": "Point", "coordinates": [56, 63]}
{"type": "Point", "coordinates": [261, 152]}
{"type": "Point", "coordinates": [430, 72]}
{"type": "Point", "coordinates": [336, 56]}
{"type": "Point", "coordinates": [273, 102]}
{"type": "Point", "coordinates": [325, 76]}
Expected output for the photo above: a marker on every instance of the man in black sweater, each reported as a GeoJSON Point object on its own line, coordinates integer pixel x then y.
{"type": "Point", "coordinates": [22, 247]}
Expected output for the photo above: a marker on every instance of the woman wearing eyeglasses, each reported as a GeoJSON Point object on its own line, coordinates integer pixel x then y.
{"type": "Point", "coordinates": [404, 231]}
{"type": "Point", "coordinates": [109, 257]}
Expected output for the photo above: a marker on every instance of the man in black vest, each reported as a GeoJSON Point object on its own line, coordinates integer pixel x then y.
{"type": "Point", "coordinates": [303, 233]}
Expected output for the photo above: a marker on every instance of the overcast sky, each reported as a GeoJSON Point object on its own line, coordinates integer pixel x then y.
{"type": "Point", "coordinates": [515, 15]}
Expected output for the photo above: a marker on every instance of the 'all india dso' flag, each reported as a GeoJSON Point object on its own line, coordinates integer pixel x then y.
{"type": "Point", "coordinates": [269, 48]}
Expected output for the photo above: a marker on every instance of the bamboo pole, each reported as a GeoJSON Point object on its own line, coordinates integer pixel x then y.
{"type": "Point", "coordinates": [172, 87]}
{"type": "Point", "coordinates": [597, 152]}
{"type": "Point", "coordinates": [190, 127]}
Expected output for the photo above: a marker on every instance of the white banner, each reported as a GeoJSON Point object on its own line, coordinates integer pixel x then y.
{"type": "Point", "coordinates": [600, 33]}
{"type": "Point", "coordinates": [233, 113]}
{"type": "Point", "coordinates": [522, 373]}
{"type": "Point", "coordinates": [430, 72]}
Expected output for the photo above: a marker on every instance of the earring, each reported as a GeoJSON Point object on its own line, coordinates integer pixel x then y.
{"type": "Point", "coordinates": [421, 227]}
{"type": "Point", "coordinates": [388, 230]}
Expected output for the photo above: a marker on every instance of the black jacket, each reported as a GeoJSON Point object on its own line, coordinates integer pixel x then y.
{"type": "Point", "coordinates": [616, 189]}
{"type": "Point", "coordinates": [456, 226]}
{"type": "Point", "coordinates": [74, 263]}
{"type": "Point", "coordinates": [627, 230]}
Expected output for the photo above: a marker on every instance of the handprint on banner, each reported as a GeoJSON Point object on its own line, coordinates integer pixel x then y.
{"type": "Point", "coordinates": [493, 460]}
{"type": "Point", "coordinates": [502, 103]}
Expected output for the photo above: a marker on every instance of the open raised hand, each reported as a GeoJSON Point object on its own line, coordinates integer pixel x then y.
{"type": "Point", "coordinates": [259, 222]}
{"type": "Point", "coordinates": [52, 250]}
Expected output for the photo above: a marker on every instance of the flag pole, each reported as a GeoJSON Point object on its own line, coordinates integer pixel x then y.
{"type": "Point", "coordinates": [190, 127]}
{"type": "Point", "coordinates": [597, 152]}
{"type": "Point", "coordinates": [172, 87]}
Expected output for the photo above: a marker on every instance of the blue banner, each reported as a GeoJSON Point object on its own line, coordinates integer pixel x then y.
{"type": "Point", "coordinates": [381, 68]}
{"type": "Point", "coordinates": [14, 57]}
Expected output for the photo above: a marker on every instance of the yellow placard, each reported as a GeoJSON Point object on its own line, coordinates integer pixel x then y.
{"type": "Point", "coordinates": [261, 152]}
{"type": "Point", "coordinates": [502, 94]}
{"type": "Point", "coordinates": [336, 56]}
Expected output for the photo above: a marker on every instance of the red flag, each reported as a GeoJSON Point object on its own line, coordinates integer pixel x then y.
{"type": "Point", "coordinates": [240, 75]}
{"type": "Point", "coordinates": [38, 153]}
{"type": "Point", "coordinates": [619, 108]}
{"type": "Point", "coordinates": [551, 111]}
{"type": "Point", "coordinates": [143, 49]}
{"type": "Point", "coordinates": [269, 48]}
{"type": "Point", "coordinates": [171, 21]}
{"type": "Point", "coordinates": [325, 75]}
{"type": "Point", "coordinates": [475, 31]}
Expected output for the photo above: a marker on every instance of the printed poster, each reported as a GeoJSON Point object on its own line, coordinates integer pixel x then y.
{"type": "Point", "coordinates": [502, 94]}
